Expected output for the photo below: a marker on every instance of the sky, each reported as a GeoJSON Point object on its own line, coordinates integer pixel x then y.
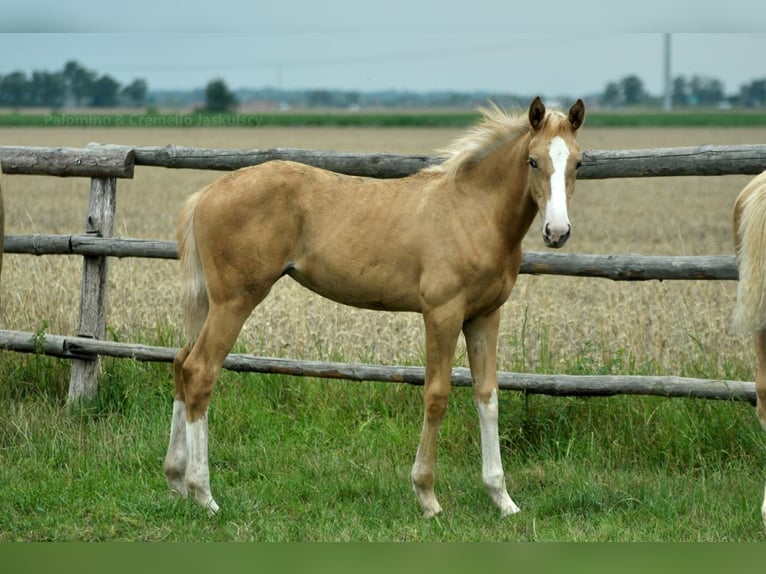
{"type": "Point", "coordinates": [554, 48]}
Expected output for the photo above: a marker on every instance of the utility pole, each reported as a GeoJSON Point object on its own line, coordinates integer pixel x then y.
{"type": "Point", "coordinates": [667, 101]}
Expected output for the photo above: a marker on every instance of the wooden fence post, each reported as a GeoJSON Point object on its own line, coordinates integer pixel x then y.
{"type": "Point", "coordinates": [83, 382]}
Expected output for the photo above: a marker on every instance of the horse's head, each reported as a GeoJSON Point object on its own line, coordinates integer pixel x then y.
{"type": "Point", "coordinates": [554, 157]}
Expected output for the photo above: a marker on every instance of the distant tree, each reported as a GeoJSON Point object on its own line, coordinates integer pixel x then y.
{"type": "Point", "coordinates": [353, 99]}
{"type": "Point", "coordinates": [320, 98]}
{"type": "Point", "coordinates": [79, 82]}
{"type": "Point", "coordinates": [680, 93]}
{"type": "Point", "coordinates": [612, 94]}
{"type": "Point", "coordinates": [218, 97]}
{"type": "Point", "coordinates": [135, 92]}
{"type": "Point", "coordinates": [14, 89]}
{"type": "Point", "coordinates": [47, 89]}
{"type": "Point", "coordinates": [104, 92]}
{"type": "Point", "coordinates": [754, 93]}
{"type": "Point", "coordinates": [705, 90]}
{"type": "Point", "coordinates": [633, 90]}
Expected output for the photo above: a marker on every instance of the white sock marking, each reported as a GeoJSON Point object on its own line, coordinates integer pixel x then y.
{"type": "Point", "coordinates": [175, 459]}
{"type": "Point", "coordinates": [491, 464]}
{"type": "Point", "coordinates": [197, 471]}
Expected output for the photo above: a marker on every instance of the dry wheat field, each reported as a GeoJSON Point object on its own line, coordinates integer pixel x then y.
{"type": "Point", "coordinates": [547, 318]}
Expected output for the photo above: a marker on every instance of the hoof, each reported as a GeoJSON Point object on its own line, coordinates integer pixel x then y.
{"type": "Point", "coordinates": [178, 493]}
{"type": "Point", "coordinates": [178, 488]}
{"type": "Point", "coordinates": [429, 513]}
{"type": "Point", "coordinates": [509, 510]}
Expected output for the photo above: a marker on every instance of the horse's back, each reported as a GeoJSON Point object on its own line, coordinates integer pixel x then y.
{"type": "Point", "coordinates": [352, 239]}
{"type": "Point", "coordinates": [300, 186]}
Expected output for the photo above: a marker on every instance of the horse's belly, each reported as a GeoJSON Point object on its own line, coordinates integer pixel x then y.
{"type": "Point", "coordinates": [381, 292]}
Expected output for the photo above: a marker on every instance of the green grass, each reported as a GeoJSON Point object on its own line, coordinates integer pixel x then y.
{"type": "Point", "coordinates": [304, 460]}
{"type": "Point", "coordinates": [452, 119]}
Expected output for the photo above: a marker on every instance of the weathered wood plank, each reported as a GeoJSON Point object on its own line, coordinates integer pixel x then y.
{"type": "Point", "coordinates": [597, 164]}
{"type": "Point", "coordinates": [118, 160]}
{"type": "Point", "coordinates": [674, 161]}
{"type": "Point", "coordinates": [556, 385]}
{"type": "Point", "coordinates": [83, 382]}
{"type": "Point", "coordinates": [103, 161]}
{"type": "Point", "coordinates": [380, 165]}
{"type": "Point", "coordinates": [631, 267]}
{"type": "Point", "coordinates": [90, 245]}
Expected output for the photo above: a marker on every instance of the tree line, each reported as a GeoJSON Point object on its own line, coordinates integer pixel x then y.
{"type": "Point", "coordinates": [78, 86]}
{"type": "Point", "coordinates": [693, 91]}
{"type": "Point", "coordinates": [74, 85]}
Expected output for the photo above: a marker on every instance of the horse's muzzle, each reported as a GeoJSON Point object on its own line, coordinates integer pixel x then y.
{"type": "Point", "coordinates": [554, 238]}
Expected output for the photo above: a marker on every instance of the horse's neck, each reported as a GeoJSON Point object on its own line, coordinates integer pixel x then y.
{"type": "Point", "coordinates": [502, 179]}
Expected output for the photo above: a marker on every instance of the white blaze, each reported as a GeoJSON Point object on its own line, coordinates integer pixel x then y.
{"type": "Point", "coordinates": [556, 210]}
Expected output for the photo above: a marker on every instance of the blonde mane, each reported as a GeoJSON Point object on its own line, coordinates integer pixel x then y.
{"type": "Point", "coordinates": [495, 128]}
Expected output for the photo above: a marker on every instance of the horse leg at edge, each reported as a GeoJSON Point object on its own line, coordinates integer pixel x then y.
{"type": "Point", "coordinates": [481, 344]}
{"type": "Point", "coordinates": [176, 457]}
{"type": "Point", "coordinates": [760, 392]}
{"type": "Point", "coordinates": [442, 330]}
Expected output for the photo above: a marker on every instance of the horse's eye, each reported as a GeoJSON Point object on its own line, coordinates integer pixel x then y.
{"type": "Point", "coordinates": [578, 165]}
{"type": "Point", "coordinates": [533, 162]}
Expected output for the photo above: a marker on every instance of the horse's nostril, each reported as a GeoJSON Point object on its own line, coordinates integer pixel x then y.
{"type": "Point", "coordinates": [556, 238]}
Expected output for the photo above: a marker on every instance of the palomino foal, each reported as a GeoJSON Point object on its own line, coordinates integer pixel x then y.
{"type": "Point", "coordinates": [444, 242]}
{"type": "Point", "coordinates": [750, 310]}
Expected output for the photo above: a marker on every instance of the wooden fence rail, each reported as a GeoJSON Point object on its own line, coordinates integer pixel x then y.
{"type": "Point", "coordinates": [104, 164]}
{"type": "Point", "coordinates": [117, 161]}
{"type": "Point", "coordinates": [596, 164]}
{"type": "Point", "coordinates": [557, 385]}
{"type": "Point", "coordinates": [628, 267]}
{"type": "Point", "coordinates": [96, 162]}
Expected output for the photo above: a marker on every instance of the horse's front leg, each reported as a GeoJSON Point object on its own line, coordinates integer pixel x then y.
{"type": "Point", "coordinates": [760, 394]}
{"type": "Point", "coordinates": [481, 344]}
{"type": "Point", "coordinates": [442, 331]}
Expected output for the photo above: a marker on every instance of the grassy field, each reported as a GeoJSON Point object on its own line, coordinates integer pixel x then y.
{"type": "Point", "coordinates": [315, 460]}
{"type": "Point", "coordinates": [306, 460]}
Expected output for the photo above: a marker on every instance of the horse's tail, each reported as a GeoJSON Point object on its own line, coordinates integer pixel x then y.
{"type": "Point", "coordinates": [750, 239]}
{"type": "Point", "coordinates": [194, 298]}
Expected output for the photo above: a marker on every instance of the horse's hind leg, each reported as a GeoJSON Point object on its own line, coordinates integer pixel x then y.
{"type": "Point", "coordinates": [199, 372]}
{"type": "Point", "coordinates": [481, 344]}
{"type": "Point", "coordinates": [760, 392]}
{"type": "Point", "coordinates": [175, 459]}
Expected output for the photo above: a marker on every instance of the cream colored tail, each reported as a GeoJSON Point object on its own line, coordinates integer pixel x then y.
{"type": "Point", "coordinates": [194, 299]}
{"type": "Point", "coordinates": [750, 236]}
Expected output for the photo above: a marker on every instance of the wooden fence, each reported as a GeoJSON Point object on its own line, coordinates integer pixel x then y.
{"type": "Point", "coordinates": [105, 164]}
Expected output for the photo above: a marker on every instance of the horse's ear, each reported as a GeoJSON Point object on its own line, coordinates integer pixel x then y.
{"type": "Point", "coordinates": [577, 115]}
{"type": "Point", "coordinates": [536, 113]}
